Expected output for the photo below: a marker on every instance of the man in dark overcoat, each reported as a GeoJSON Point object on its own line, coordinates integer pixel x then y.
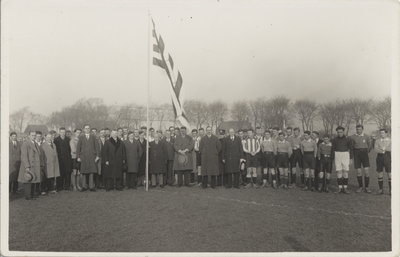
{"type": "Point", "coordinates": [157, 161]}
{"type": "Point", "coordinates": [143, 159]}
{"type": "Point", "coordinates": [64, 160]}
{"type": "Point", "coordinates": [133, 154]}
{"type": "Point", "coordinates": [169, 146]}
{"type": "Point", "coordinates": [88, 154]}
{"type": "Point", "coordinates": [14, 162]}
{"type": "Point", "coordinates": [183, 161]}
{"type": "Point", "coordinates": [222, 177]}
{"type": "Point", "coordinates": [100, 179]}
{"type": "Point", "coordinates": [232, 155]}
{"type": "Point", "coordinates": [114, 156]}
{"type": "Point", "coordinates": [210, 147]}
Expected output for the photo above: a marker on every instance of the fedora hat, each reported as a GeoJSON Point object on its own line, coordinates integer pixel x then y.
{"type": "Point", "coordinates": [29, 176]}
{"type": "Point", "coordinates": [182, 159]}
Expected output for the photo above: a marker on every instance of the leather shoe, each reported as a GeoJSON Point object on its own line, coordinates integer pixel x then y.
{"type": "Point", "coordinates": [367, 190]}
{"type": "Point", "coordinates": [93, 190]}
{"type": "Point", "coordinates": [380, 192]}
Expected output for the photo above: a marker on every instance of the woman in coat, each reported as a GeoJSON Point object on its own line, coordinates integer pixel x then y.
{"type": "Point", "coordinates": [157, 161]}
{"type": "Point", "coordinates": [52, 167]}
{"type": "Point", "coordinates": [114, 156]}
{"type": "Point", "coordinates": [133, 154]}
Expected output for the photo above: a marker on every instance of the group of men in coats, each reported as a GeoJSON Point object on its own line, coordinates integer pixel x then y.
{"type": "Point", "coordinates": [87, 161]}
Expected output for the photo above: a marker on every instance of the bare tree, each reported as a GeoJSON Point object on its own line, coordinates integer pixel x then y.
{"type": "Point", "coordinates": [256, 108]}
{"type": "Point", "coordinates": [239, 112]}
{"type": "Point", "coordinates": [19, 119]}
{"type": "Point", "coordinates": [381, 112]}
{"type": "Point", "coordinates": [305, 110]}
{"type": "Point", "coordinates": [276, 111]}
{"type": "Point", "coordinates": [217, 112]}
{"type": "Point", "coordinates": [360, 110]}
{"type": "Point", "coordinates": [196, 112]}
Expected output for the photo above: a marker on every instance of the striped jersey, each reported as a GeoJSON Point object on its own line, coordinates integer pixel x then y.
{"type": "Point", "coordinates": [251, 145]}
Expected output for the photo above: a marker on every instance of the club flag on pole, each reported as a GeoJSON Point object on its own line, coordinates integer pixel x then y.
{"type": "Point", "coordinates": [164, 61]}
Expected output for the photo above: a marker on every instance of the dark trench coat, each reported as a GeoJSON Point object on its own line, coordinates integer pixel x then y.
{"type": "Point", "coordinates": [115, 154]}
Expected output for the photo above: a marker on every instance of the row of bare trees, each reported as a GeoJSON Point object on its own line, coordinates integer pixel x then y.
{"type": "Point", "coordinates": [261, 112]}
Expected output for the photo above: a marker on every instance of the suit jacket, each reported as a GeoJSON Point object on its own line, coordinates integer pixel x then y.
{"type": "Point", "coordinates": [133, 154]}
{"type": "Point", "coordinates": [87, 150]}
{"type": "Point", "coordinates": [14, 160]}
{"type": "Point", "coordinates": [170, 148]}
{"type": "Point", "coordinates": [143, 159]}
{"type": "Point", "coordinates": [33, 158]}
{"type": "Point", "coordinates": [232, 152]}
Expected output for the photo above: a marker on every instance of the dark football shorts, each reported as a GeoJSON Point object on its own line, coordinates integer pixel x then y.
{"type": "Point", "coordinates": [326, 164]}
{"type": "Point", "coordinates": [384, 161]}
{"type": "Point", "coordinates": [75, 164]}
{"type": "Point", "coordinates": [252, 161]}
{"type": "Point", "coordinates": [282, 160]}
{"type": "Point", "coordinates": [296, 157]}
{"type": "Point", "coordinates": [269, 160]}
{"type": "Point", "coordinates": [309, 161]}
{"type": "Point", "coordinates": [361, 157]}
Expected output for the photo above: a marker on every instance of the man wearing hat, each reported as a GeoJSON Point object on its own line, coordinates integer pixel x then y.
{"type": "Point", "coordinates": [32, 161]}
{"type": "Point", "coordinates": [183, 161]}
{"type": "Point", "coordinates": [14, 162]}
{"type": "Point", "coordinates": [342, 150]}
{"type": "Point", "coordinates": [114, 157]}
{"type": "Point", "coordinates": [52, 166]}
{"type": "Point", "coordinates": [210, 147]}
{"type": "Point", "coordinates": [170, 152]}
{"type": "Point", "coordinates": [232, 155]}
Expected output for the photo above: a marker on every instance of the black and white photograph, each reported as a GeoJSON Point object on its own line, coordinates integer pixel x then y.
{"type": "Point", "coordinates": [200, 128]}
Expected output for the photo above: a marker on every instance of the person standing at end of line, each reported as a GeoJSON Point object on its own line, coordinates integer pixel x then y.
{"type": "Point", "coordinates": [14, 163]}
{"type": "Point", "coordinates": [342, 150]}
{"type": "Point", "coordinates": [88, 154]}
{"type": "Point", "coordinates": [383, 147]}
{"type": "Point", "coordinates": [362, 146]}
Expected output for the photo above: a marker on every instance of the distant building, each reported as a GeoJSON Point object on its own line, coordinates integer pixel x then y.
{"type": "Point", "coordinates": [41, 128]}
{"type": "Point", "coordinates": [226, 125]}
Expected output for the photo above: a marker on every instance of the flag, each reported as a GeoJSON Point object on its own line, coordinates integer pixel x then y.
{"type": "Point", "coordinates": [164, 60]}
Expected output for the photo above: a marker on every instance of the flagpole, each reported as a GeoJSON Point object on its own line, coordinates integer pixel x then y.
{"type": "Point", "coordinates": [148, 100]}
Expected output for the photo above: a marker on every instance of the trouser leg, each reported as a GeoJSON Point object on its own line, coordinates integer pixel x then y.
{"type": "Point", "coordinates": [161, 179]}
{"type": "Point", "coordinates": [28, 189]}
{"type": "Point", "coordinates": [204, 181]}
{"type": "Point", "coordinates": [229, 178]}
{"type": "Point", "coordinates": [187, 177]}
{"type": "Point", "coordinates": [180, 177]}
{"type": "Point", "coordinates": [213, 181]}
{"type": "Point", "coordinates": [236, 180]}
{"type": "Point", "coordinates": [84, 180]}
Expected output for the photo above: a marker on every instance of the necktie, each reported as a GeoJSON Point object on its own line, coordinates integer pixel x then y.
{"type": "Point", "coordinates": [87, 137]}
{"type": "Point", "coordinates": [232, 138]}
{"type": "Point", "coordinates": [51, 144]}
{"type": "Point", "coordinates": [37, 149]}
{"type": "Point", "coordinates": [14, 144]}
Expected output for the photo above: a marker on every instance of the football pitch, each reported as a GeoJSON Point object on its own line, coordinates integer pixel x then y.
{"type": "Point", "coordinates": [210, 220]}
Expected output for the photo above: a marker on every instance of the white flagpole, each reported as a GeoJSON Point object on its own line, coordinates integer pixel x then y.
{"type": "Point", "coordinates": [148, 100]}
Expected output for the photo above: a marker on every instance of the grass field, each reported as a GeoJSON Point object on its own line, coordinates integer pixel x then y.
{"type": "Point", "coordinates": [210, 220]}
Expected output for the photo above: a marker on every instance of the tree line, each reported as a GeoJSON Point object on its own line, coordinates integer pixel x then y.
{"type": "Point", "coordinates": [262, 112]}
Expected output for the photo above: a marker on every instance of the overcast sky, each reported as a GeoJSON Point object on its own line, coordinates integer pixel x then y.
{"type": "Point", "coordinates": [61, 51]}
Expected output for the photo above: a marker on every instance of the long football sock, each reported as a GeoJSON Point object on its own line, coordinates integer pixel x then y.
{"type": "Point", "coordinates": [345, 182]}
{"type": "Point", "coordinates": [302, 178]}
{"type": "Point", "coordinates": [339, 182]}
{"type": "Point", "coordinates": [359, 179]}
{"type": "Point", "coordinates": [366, 182]}
{"type": "Point", "coordinates": [380, 182]}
